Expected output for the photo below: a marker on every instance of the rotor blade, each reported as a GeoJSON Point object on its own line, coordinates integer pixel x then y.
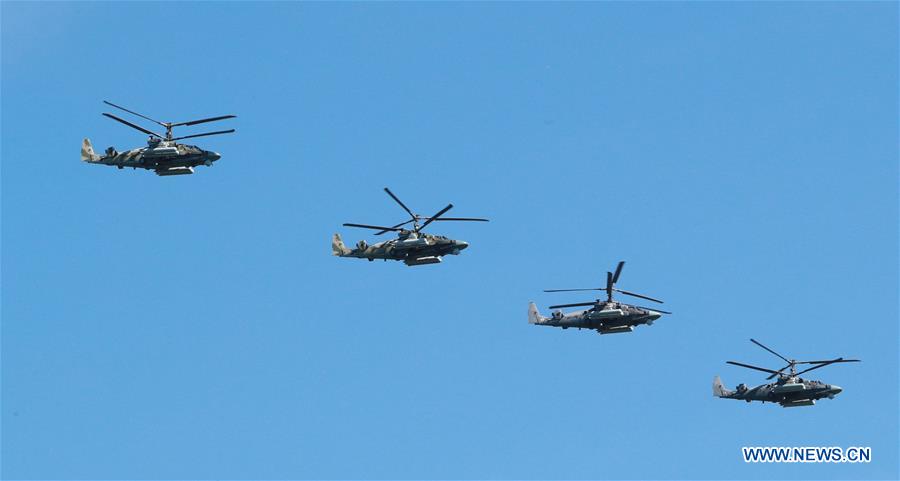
{"type": "Point", "coordinates": [204, 135]}
{"type": "Point", "coordinates": [400, 202]}
{"type": "Point", "coordinates": [633, 294]}
{"type": "Point", "coordinates": [211, 119]}
{"type": "Point", "coordinates": [840, 359]}
{"type": "Point", "coordinates": [138, 127]}
{"type": "Point", "coordinates": [375, 227]}
{"type": "Point", "coordinates": [394, 227]}
{"type": "Point", "coordinates": [435, 216]}
{"type": "Point", "coordinates": [461, 218]}
{"type": "Point", "coordinates": [618, 271]}
{"type": "Point", "coordinates": [609, 281]}
{"type": "Point", "coordinates": [779, 372]}
{"type": "Point", "coordinates": [653, 309]}
{"type": "Point", "coordinates": [754, 341]}
{"type": "Point", "coordinates": [578, 304]}
{"type": "Point", "coordinates": [752, 367]}
{"type": "Point", "coordinates": [828, 364]}
{"type": "Point", "coordinates": [134, 113]}
{"type": "Point", "coordinates": [572, 290]}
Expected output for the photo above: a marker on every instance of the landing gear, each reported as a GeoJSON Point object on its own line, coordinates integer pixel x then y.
{"type": "Point", "coordinates": [120, 167]}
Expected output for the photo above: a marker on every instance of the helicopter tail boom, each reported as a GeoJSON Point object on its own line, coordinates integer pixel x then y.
{"type": "Point", "coordinates": [337, 246]}
{"type": "Point", "coordinates": [87, 152]}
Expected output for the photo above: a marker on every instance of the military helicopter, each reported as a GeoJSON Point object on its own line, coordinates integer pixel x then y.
{"type": "Point", "coordinates": [163, 154]}
{"type": "Point", "coordinates": [412, 246]}
{"type": "Point", "coordinates": [606, 316]}
{"type": "Point", "coordinates": [790, 390]}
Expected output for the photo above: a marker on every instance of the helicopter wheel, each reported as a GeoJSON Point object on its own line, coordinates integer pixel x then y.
{"type": "Point", "coordinates": [120, 167]}
{"type": "Point", "coordinates": [370, 259]}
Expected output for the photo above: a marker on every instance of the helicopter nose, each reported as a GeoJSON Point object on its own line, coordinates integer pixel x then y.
{"type": "Point", "coordinates": [213, 156]}
{"type": "Point", "coordinates": [654, 315]}
{"type": "Point", "coordinates": [461, 245]}
{"type": "Point", "coordinates": [836, 389]}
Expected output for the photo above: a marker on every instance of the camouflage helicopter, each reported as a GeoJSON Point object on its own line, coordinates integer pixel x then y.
{"type": "Point", "coordinates": [607, 317]}
{"type": "Point", "coordinates": [412, 246]}
{"type": "Point", "coordinates": [163, 154]}
{"type": "Point", "coordinates": [790, 390]}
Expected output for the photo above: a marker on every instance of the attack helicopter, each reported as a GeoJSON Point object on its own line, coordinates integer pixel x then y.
{"type": "Point", "coordinates": [412, 246]}
{"type": "Point", "coordinates": [790, 390]}
{"type": "Point", "coordinates": [163, 153]}
{"type": "Point", "coordinates": [605, 316]}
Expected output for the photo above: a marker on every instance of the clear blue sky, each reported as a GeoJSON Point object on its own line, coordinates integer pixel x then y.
{"type": "Point", "coordinates": [742, 158]}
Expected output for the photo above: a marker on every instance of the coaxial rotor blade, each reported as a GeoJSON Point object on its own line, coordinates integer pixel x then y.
{"type": "Point", "coordinates": [211, 119]}
{"type": "Point", "coordinates": [573, 290]}
{"type": "Point", "coordinates": [754, 341]}
{"type": "Point", "coordinates": [752, 367]}
{"type": "Point", "coordinates": [609, 281]}
{"type": "Point", "coordinates": [204, 135]}
{"type": "Point", "coordinates": [138, 127]}
{"type": "Point", "coordinates": [474, 219]}
{"type": "Point", "coordinates": [135, 113]}
{"type": "Point", "coordinates": [375, 227]}
{"type": "Point", "coordinates": [634, 294]}
{"type": "Point", "coordinates": [394, 227]}
{"type": "Point", "coordinates": [835, 361]}
{"type": "Point", "coordinates": [830, 360]}
{"type": "Point", "coordinates": [653, 309]}
{"type": "Point", "coordinates": [397, 200]}
{"type": "Point", "coordinates": [579, 304]}
{"type": "Point", "coordinates": [779, 371]}
{"type": "Point", "coordinates": [435, 216]}
{"type": "Point", "coordinates": [618, 271]}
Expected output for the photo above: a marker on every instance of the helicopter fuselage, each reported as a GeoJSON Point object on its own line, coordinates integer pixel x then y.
{"type": "Point", "coordinates": [605, 318]}
{"type": "Point", "coordinates": [164, 157]}
{"type": "Point", "coordinates": [789, 392]}
{"type": "Point", "coordinates": [413, 250]}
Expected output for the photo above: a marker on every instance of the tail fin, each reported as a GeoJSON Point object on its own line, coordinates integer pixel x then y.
{"type": "Point", "coordinates": [534, 317]}
{"type": "Point", "coordinates": [719, 388]}
{"type": "Point", "coordinates": [87, 152]}
{"type": "Point", "coordinates": [337, 246]}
